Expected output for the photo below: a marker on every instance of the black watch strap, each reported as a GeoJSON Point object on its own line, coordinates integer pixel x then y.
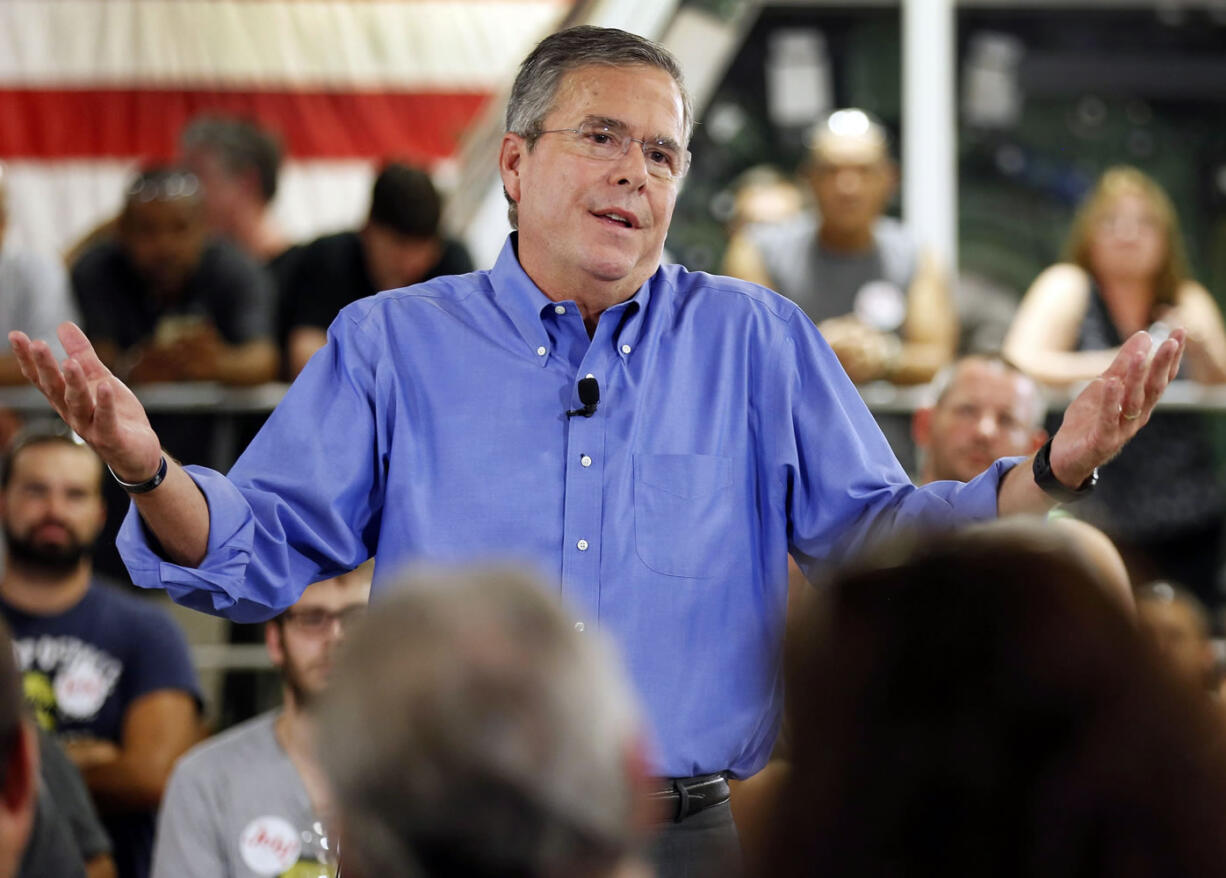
{"type": "Point", "coordinates": [146, 486]}
{"type": "Point", "coordinates": [1053, 487]}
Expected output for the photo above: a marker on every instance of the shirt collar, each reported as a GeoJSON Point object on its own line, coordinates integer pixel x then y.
{"type": "Point", "coordinates": [630, 316]}
{"type": "Point", "coordinates": [520, 299]}
{"type": "Point", "coordinates": [524, 303]}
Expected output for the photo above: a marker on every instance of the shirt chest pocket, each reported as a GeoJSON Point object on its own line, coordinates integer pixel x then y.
{"type": "Point", "coordinates": [683, 512]}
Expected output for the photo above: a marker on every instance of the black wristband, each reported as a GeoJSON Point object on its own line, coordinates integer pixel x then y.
{"type": "Point", "coordinates": [146, 486]}
{"type": "Point", "coordinates": [1046, 479]}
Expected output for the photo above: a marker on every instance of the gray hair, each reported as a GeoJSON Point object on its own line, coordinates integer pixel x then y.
{"type": "Point", "coordinates": [541, 73]}
{"type": "Point", "coordinates": [470, 729]}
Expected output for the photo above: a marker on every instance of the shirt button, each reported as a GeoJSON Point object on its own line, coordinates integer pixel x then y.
{"type": "Point", "coordinates": [579, 626]}
{"type": "Point", "coordinates": [540, 352]}
{"type": "Point", "coordinates": [559, 309]}
{"type": "Point", "coordinates": [585, 460]}
{"type": "Point", "coordinates": [625, 349]}
{"type": "Point", "coordinates": [582, 544]}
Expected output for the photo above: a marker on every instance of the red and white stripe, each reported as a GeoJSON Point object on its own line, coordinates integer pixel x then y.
{"type": "Point", "coordinates": [90, 88]}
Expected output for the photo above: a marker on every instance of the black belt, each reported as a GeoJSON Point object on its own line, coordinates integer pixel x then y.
{"type": "Point", "coordinates": [676, 798]}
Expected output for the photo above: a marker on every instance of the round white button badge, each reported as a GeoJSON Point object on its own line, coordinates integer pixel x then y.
{"type": "Point", "coordinates": [269, 845]}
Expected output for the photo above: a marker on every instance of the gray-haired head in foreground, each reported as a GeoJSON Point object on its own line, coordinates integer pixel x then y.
{"type": "Point", "coordinates": [470, 730]}
{"type": "Point", "coordinates": [541, 73]}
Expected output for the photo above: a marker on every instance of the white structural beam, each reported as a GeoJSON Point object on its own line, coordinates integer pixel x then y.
{"type": "Point", "coordinates": [929, 132]}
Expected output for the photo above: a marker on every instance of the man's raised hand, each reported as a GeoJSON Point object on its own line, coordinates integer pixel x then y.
{"type": "Point", "coordinates": [1114, 406]}
{"type": "Point", "coordinates": [92, 401]}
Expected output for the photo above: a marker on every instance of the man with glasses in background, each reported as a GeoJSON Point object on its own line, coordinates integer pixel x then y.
{"type": "Point", "coordinates": [250, 802]}
{"type": "Point", "coordinates": [654, 440]}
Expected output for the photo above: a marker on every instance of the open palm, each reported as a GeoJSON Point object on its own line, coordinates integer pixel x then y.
{"type": "Point", "coordinates": [92, 401]}
{"type": "Point", "coordinates": [1114, 406]}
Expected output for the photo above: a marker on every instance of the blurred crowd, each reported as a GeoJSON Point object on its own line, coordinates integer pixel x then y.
{"type": "Point", "coordinates": [192, 281]}
{"type": "Point", "coordinates": [1004, 699]}
{"type": "Point", "coordinates": [888, 311]}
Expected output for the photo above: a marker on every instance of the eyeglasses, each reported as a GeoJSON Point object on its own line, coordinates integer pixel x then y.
{"type": "Point", "coordinates": [596, 140]}
{"type": "Point", "coordinates": [317, 621]}
{"type": "Point", "coordinates": [163, 186]}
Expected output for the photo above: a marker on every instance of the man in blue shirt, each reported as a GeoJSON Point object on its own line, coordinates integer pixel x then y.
{"type": "Point", "coordinates": [444, 422]}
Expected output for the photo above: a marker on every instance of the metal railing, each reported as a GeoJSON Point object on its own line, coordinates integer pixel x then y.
{"type": "Point", "coordinates": [195, 396]}
{"type": "Point", "coordinates": [223, 401]}
{"type": "Point", "coordinates": [884, 398]}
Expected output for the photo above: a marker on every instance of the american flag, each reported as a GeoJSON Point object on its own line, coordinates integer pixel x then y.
{"type": "Point", "coordinates": [89, 89]}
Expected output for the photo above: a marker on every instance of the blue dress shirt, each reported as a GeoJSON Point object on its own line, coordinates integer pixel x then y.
{"type": "Point", "coordinates": [433, 427]}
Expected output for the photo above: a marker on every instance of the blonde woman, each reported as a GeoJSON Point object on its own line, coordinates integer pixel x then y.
{"type": "Point", "coordinates": [1126, 270]}
{"type": "Point", "coordinates": [1125, 261]}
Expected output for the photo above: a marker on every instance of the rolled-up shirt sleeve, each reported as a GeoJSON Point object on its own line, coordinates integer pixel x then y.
{"type": "Point", "coordinates": [845, 485]}
{"type": "Point", "coordinates": [301, 504]}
